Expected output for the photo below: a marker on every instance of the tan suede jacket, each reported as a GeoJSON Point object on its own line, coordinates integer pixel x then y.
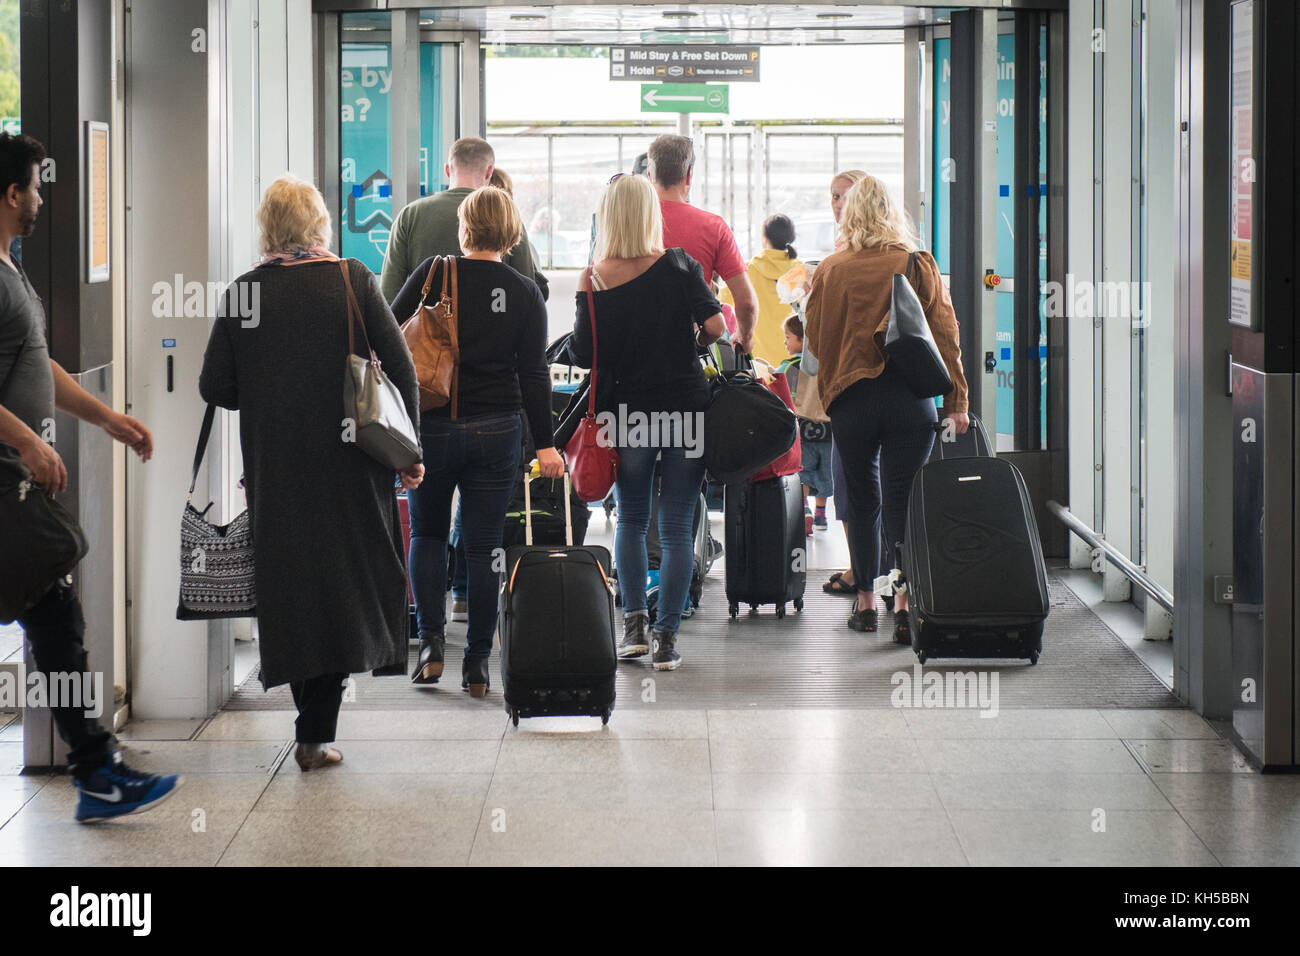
{"type": "Point", "coordinates": [848, 311]}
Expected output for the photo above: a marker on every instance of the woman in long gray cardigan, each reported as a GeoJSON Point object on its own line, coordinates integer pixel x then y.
{"type": "Point", "coordinates": [330, 569]}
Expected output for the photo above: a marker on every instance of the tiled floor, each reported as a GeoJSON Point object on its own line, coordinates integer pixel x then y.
{"type": "Point", "coordinates": [1055, 787]}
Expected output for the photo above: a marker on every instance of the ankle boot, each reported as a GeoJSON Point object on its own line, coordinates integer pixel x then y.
{"type": "Point", "coordinates": [474, 676]}
{"type": "Point", "coordinates": [428, 667]}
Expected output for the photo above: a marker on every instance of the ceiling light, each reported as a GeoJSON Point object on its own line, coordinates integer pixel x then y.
{"type": "Point", "coordinates": [680, 14]}
{"type": "Point", "coordinates": [527, 17]}
{"type": "Point", "coordinates": [834, 16]}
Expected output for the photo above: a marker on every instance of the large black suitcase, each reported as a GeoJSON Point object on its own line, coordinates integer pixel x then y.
{"type": "Point", "coordinates": [976, 581]}
{"type": "Point", "coordinates": [974, 444]}
{"type": "Point", "coordinates": [765, 544]}
{"type": "Point", "coordinates": [556, 621]}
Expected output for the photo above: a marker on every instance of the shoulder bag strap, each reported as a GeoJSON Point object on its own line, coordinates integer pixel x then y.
{"type": "Point", "coordinates": [428, 280]}
{"type": "Point", "coordinates": [453, 322]}
{"type": "Point", "coordinates": [205, 430]}
{"type": "Point", "coordinates": [354, 315]}
{"type": "Point", "coordinates": [591, 314]}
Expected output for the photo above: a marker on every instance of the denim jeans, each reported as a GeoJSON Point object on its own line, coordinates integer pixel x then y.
{"type": "Point", "coordinates": [480, 456]}
{"type": "Point", "coordinates": [679, 491]}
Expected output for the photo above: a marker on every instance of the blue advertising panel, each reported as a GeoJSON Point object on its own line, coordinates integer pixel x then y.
{"type": "Point", "coordinates": [365, 152]}
{"type": "Point", "coordinates": [366, 144]}
{"type": "Point", "coordinates": [943, 173]}
{"type": "Point", "coordinates": [942, 160]}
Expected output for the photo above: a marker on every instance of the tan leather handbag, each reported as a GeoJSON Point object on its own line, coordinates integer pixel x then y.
{"type": "Point", "coordinates": [431, 335]}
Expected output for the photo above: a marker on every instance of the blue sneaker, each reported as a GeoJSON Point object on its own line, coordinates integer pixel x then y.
{"type": "Point", "coordinates": [114, 790]}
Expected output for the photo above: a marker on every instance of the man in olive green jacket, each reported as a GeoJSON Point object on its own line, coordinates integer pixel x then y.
{"type": "Point", "coordinates": [427, 227]}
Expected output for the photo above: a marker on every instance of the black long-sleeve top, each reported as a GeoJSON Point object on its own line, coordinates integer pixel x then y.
{"type": "Point", "coordinates": [502, 332]}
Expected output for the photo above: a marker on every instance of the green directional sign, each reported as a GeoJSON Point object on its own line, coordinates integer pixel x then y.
{"type": "Point", "coordinates": [684, 98]}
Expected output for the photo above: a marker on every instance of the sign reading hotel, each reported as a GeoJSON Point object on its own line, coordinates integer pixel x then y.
{"type": "Point", "coordinates": [684, 64]}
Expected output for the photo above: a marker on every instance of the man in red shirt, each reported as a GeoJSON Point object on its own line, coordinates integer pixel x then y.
{"type": "Point", "coordinates": [706, 238]}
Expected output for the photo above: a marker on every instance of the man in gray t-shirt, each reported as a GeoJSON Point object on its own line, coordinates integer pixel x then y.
{"type": "Point", "coordinates": [31, 386]}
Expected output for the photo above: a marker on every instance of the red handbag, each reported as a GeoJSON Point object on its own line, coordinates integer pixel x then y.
{"type": "Point", "coordinates": [593, 465]}
{"type": "Point", "coordinates": [791, 462]}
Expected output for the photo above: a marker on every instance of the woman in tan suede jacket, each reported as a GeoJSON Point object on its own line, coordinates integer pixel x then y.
{"type": "Point", "coordinates": [882, 431]}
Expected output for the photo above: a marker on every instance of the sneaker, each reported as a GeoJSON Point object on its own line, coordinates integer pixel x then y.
{"type": "Point", "coordinates": [819, 521]}
{"type": "Point", "coordinates": [113, 790]}
{"type": "Point", "coordinates": [635, 643]}
{"type": "Point", "coordinates": [807, 524]}
{"type": "Point", "coordinates": [459, 610]}
{"type": "Point", "coordinates": [666, 658]}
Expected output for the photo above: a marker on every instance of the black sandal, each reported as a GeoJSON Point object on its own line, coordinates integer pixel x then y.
{"type": "Point", "coordinates": [864, 620]}
{"type": "Point", "coordinates": [902, 628]}
{"type": "Point", "coordinates": [837, 585]}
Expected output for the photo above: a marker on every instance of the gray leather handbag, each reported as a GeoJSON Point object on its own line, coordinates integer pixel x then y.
{"type": "Point", "coordinates": [383, 428]}
{"type": "Point", "coordinates": [909, 344]}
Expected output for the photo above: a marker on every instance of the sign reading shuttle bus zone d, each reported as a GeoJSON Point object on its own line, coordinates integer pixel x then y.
{"type": "Point", "coordinates": [688, 64]}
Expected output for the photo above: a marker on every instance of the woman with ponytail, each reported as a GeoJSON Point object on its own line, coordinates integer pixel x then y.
{"type": "Point", "coordinates": [776, 259]}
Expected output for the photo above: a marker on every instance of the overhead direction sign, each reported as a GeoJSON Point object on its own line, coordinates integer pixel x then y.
{"type": "Point", "coordinates": [697, 63]}
{"type": "Point", "coordinates": [684, 98]}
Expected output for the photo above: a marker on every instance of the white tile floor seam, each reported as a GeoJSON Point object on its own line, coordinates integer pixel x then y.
{"type": "Point", "coordinates": [270, 778]}
{"type": "Point", "coordinates": [483, 810]}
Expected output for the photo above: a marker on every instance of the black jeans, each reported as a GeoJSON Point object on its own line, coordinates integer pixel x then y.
{"type": "Point", "coordinates": [55, 629]}
{"type": "Point", "coordinates": [480, 455]}
{"type": "Point", "coordinates": [318, 700]}
{"type": "Point", "coordinates": [883, 434]}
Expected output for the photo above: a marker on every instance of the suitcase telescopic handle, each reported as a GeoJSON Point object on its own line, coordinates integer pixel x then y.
{"type": "Point", "coordinates": [535, 471]}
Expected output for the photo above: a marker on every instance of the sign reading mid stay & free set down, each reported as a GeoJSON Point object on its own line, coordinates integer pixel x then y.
{"type": "Point", "coordinates": [687, 64]}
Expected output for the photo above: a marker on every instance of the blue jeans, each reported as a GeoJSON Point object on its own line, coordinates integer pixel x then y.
{"type": "Point", "coordinates": [480, 455]}
{"type": "Point", "coordinates": [679, 491]}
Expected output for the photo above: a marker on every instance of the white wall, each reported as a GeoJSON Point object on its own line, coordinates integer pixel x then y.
{"type": "Point", "coordinates": [207, 131]}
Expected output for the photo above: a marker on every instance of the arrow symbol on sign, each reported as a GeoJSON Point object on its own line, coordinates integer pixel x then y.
{"type": "Point", "coordinates": [654, 97]}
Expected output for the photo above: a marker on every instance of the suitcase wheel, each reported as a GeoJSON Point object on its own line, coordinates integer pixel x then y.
{"type": "Point", "coordinates": [920, 656]}
{"type": "Point", "coordinates": [514, 716]}
{"type": "Point", "coordinates": [1033, 658]}
{"type": "Point", "coordinates": [780, 610]}
{"type": "Point", "coordinates": [604, 718]}
{"type": "Point", "coordinates": [798, 604]}
{"type": "Point", "coordinates": [733, 609]}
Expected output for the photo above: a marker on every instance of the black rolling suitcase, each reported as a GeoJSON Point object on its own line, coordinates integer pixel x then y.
{"type": "Point", "coordinates": [976, 581]}
{"type": "Point", "coordinates": [974, 444]}
{"type": "Point", "coordinates": [765, 544]}
{"type": "Point", "coordinates": [556, 620]}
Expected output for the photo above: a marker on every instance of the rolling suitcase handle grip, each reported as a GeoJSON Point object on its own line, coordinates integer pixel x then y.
{"type": "Point", "coordinates": [535, 471]}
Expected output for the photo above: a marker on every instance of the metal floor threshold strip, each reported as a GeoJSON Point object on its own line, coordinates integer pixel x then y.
{"type": "Point", "coordinates": [808, 659]}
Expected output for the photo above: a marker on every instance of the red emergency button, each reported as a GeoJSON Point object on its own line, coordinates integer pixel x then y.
{"type": "Point", "coordinates": [991, 279]}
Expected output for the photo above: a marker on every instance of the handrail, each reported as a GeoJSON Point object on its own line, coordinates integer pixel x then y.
{"type": "Point", "coordinates": [1129, 569]}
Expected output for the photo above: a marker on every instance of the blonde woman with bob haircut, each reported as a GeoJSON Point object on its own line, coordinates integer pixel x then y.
{"type": "Point", "coordinates": [329, 574]}
{"type": "Point", "coordinates": [882, 432]}
{"type": "Point", "coordinates": [501, 324]}
{"type": "Point", "coordinates": [654, 311]}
